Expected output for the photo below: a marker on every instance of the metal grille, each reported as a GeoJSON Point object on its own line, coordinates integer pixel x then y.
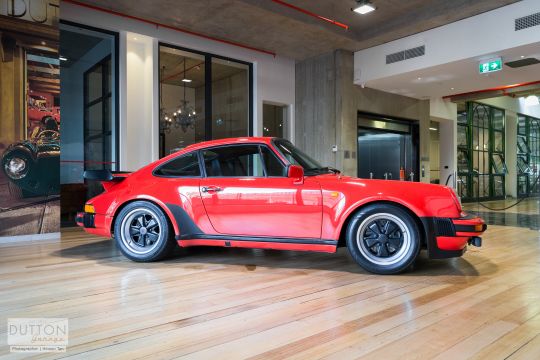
{"type": "Point", "coordinates": [527, 21]}
{"type": "Point", "coordinates": [406, 54]}
{"type": "Point", "coordinates": [445, 227]}
{"type": "Point", "coordinates": [395, 57]}
{"type": "Point", "coordinates": [415, 52]}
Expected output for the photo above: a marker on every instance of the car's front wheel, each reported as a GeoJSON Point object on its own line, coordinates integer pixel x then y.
{"type": "Point", "coordinates": [143, 233]}
{"type": "Point", "coordinates": [383, 239]}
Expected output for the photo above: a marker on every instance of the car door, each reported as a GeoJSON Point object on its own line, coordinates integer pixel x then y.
{"type": "Point", "coordinates": [246, 192]}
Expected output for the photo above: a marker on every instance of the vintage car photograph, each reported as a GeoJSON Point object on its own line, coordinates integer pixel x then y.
{"type": "Point", "coordinates": [207, 193]}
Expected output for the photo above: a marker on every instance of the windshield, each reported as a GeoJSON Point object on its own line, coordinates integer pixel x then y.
{"type": "Point", "coordinates": [297, 157]}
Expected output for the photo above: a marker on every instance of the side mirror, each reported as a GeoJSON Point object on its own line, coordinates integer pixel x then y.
{"type": "Point", "coordinates": [296, 173]}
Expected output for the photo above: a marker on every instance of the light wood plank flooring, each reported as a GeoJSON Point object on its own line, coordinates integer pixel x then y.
{"type": "Point", "coordinates": [213, 303]}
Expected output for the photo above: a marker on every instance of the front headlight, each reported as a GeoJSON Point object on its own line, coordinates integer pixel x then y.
{"type": "Point", "coordinates": [16, 168]}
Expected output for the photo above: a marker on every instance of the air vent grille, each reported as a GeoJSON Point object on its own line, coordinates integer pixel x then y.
{"type": "Point", "coordinates": [528, 21]}
{"type": "Point", "coordinates": [406, 54]}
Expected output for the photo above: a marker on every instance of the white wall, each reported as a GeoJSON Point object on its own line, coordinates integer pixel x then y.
{"type": "Point", "coordinates": [274, 77]}
{"type": "Point", "coordinates": [140, 145]}
{"type": "Point", "coordinates": [476, 36]}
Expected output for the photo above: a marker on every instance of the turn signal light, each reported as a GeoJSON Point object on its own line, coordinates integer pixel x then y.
{"type": "Point", "coordinates": [478, 227]}
{"type": "Point", "coordinates": [89, 209]}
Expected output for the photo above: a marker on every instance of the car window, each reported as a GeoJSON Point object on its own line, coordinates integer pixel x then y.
{"type": "Point", "coordinates": [183, 166]}
{"type": "Point", "coordinates": [274, 167]}
{"type": "Point", "coordinates": [233, 161]}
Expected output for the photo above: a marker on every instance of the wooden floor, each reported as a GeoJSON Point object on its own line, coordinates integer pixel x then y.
{"type": "Point", "coordinates": [212, 303]}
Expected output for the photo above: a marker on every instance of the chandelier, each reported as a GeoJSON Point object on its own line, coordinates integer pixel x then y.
{"type": "Point", "coordinates": [184, 117]}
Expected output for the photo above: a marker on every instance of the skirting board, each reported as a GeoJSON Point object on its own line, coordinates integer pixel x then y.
{"type": "Point", "coordinates": [33, 237]}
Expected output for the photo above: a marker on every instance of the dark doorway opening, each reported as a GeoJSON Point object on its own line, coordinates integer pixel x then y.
{"type": "Point", "coordinates": [387, 145]}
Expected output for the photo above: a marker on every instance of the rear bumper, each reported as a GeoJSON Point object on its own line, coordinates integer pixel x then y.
{"type": "Point", "coordinates": [96, 224]}
{"type": "Point", "coordinates": [447, 237]}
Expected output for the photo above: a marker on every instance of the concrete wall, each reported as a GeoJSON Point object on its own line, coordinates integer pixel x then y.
{"type": "Point", "coordinates": [327, 106]}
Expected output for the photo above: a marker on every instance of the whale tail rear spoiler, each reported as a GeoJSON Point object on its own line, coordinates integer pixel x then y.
{"type": "Point", "coordinates": [108, 178]}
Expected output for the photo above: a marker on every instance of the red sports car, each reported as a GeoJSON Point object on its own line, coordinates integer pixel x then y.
{"type": "Point", "coordinates": [266, 193]}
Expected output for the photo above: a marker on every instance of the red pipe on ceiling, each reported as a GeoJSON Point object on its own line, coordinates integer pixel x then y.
{"type": "Point", "coordinates": [307, 12]}
{"type": "Point", "coordinates": [500, 88]}
{"type": "Point", "coordinates": [157, 24]}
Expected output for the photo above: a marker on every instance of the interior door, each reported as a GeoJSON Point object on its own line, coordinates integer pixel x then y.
{"type": "Point", "coordinates": [245, 195]}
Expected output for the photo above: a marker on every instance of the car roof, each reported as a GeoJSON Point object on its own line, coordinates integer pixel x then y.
{"type": "Point", "coordinates": [229, 141]}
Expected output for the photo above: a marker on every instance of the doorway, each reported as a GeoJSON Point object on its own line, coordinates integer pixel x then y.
{"type": "Point", "coordinates": [385, 146]}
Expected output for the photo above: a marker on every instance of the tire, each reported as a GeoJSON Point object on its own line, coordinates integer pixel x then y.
{"type": "Point", "coordinates": [383, 239]}
{"type": "Point", "coordinates": [143, 233]}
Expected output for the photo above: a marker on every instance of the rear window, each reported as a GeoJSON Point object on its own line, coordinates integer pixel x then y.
{"type": "Point", "coordinates": [183, 166]}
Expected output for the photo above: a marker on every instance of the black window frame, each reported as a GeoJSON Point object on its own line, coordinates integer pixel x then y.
{"type": "Point", "coordinates": [259, 145]}
{"type": "Point", "coordinates": [208, 110]}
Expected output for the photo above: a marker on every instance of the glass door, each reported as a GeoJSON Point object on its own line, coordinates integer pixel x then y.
{"type": "Point", "coordinates": [97, 116]}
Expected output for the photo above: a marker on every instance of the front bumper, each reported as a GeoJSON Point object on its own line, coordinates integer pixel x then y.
{"type": "Point", "coordinates": [447, 237]}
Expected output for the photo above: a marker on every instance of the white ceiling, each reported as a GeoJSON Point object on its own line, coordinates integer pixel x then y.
{"type": "Point", "coordinates": [461, 76]}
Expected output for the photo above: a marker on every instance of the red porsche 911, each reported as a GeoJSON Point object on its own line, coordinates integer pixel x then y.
{"type": "Point", "coordinates": [266, 193]}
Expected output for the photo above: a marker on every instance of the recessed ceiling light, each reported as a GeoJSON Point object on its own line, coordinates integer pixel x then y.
{"type": "Point", "coordinates": [419, 78]}
{"type": "Point", "coordinates": [62, 58]}
{"type": "Point", "coordinates": [186, 80]}
{"type": "Point", "coordinates": [522, 56]}
{"type": "Point", "coordinates": [363, 7]}
{"type": "Point", "coordinates": [433, 129]}
{"type": "Point", "coordinates": [43, 43]}
{"type": "Point", "coordinates": [451, 88]}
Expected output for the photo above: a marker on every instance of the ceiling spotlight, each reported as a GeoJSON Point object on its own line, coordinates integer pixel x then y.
{"type": "Point", "coordinates": [532, 100]}
{"type": "Point", "coordinates": [186, 80]}
{"type": "Point", "coordinates": [363, 7]}
{"type": "Point", "coordinates": [522, 56]}
{"type": "Point", "coordinates": [62, 58]}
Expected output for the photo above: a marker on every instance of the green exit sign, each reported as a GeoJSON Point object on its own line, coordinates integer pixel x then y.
{"type": "Point", "coordinates": [490, 66]}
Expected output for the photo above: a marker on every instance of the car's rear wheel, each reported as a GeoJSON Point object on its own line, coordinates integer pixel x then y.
{"type": "Point", "coordinates": [143, 233]}
{"type": "Point", "coordinates": [383, 239]}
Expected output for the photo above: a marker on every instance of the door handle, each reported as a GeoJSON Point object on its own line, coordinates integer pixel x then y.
{"type": "Point", "coordinates": [207, 189]}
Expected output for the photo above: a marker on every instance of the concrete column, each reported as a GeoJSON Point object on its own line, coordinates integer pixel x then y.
{"type": "Point", "coordinates": [511, 153]}
{"type": "Point", "coordinates": [447, 150]}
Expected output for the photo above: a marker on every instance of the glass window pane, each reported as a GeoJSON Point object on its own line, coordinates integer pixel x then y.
{"type": "Point", "coordinates": [498, 144]}
{"type": "Point", "coordinates": [462, 135]}
{"type": "Point", "coordinates": [182, 99]}
{"type": "Point", "coordinates": [274, 167]}
{"type": "Point", "coordinates": [498, 119]}
{"type": "Point", "coordinates": [94, 84]}
{"type": "Point", "coordinates": [185, 166]}
{"type": "Point", "coordinates": [230, 99]}
{"type": "Point", "coordinates": [274, 120]}
{"type": "Point", "coordinates": [498, 186]}
{"type": "Point", "coordinates": [462, 187]}
{"type": "Point", "coordinates": [522, 125]}
{"type": "Point", "coordinates": [233, 161]}
{"type": "Point", "coordinates": [463, 160]}
{"type": "Point", "coordinates": [499, 167]}
{"type": "Point", "coordinates": [522, 164]}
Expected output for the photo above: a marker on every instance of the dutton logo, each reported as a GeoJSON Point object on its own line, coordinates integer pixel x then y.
{"type": "Point", "coordinates": [39, 11]}
{"type": "Point", "coordinates": [37, 334]}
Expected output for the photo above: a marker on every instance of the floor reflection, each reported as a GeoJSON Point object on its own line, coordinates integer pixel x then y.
{"type": "Point", "coordinates": [510, 219]}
